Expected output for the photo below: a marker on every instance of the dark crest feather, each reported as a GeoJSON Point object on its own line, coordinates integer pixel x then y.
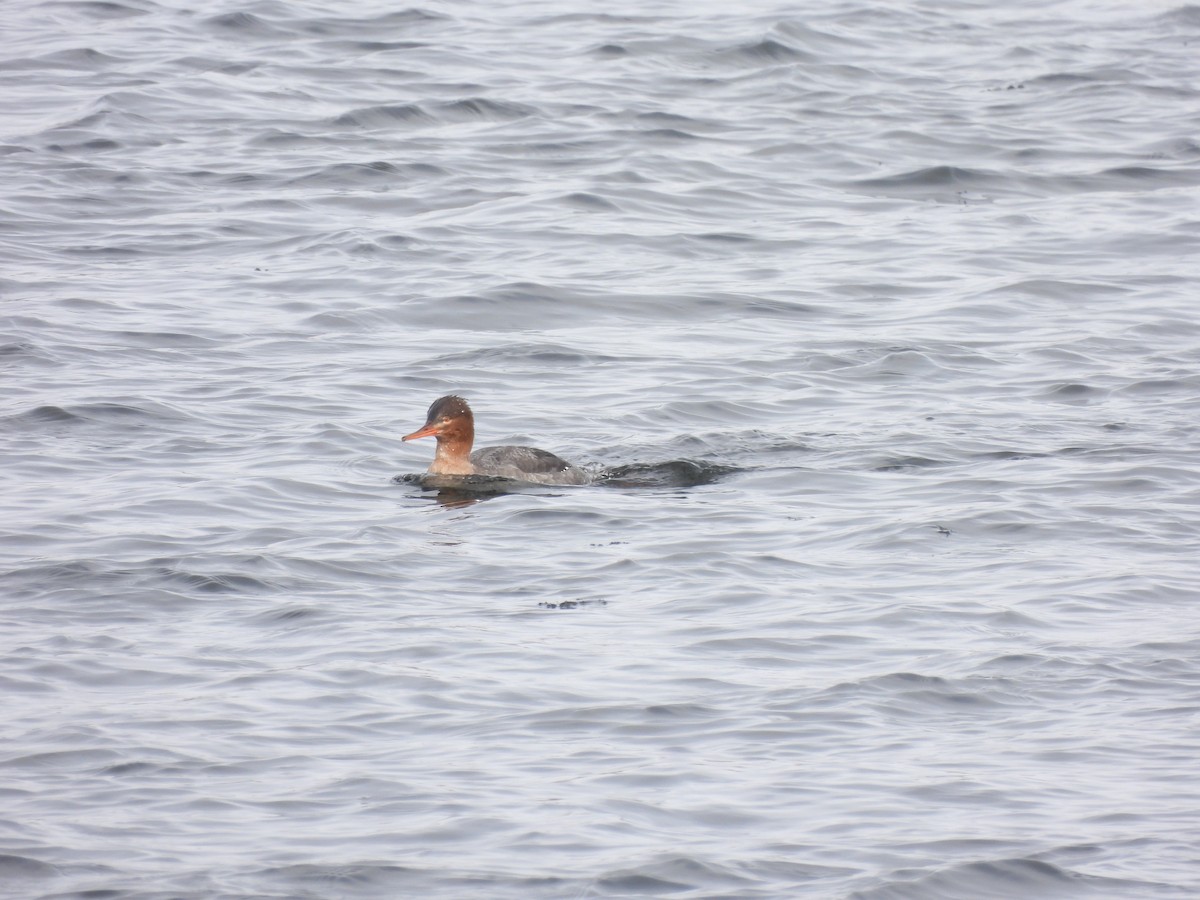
{"type": "Point", "coordinates": [451, 405]}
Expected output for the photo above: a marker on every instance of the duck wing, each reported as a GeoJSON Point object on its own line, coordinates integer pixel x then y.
{"type": "Point", "coordinates": [528, 463]}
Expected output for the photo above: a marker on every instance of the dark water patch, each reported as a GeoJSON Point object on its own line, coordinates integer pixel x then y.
{"type": "Point", "coordinates": [204, 582]}
{"type": "Point", "coordinates": [27, 579]}
{"type": "Point", "coordinates": [167, 339]}
{"type": "Point", "coordinates": [673, 473]}
{"type": "Point", "coordinates": [1131, 178]}
{"type": "Point", "coordinates": [753, 443]}
{"type": "Point", "coordinates": [668, 120]}
{"type": "Point", "coordinates": [908, 463]}
{"type": "Point", "coordinates": [582, 20]}
{"type": "Point", "coordinates": [83, 59]}
{"type": "Point", "coordinates": [102, 252]}
{"type": "Point", "coordinates": [933, 183]}
{"type": "Point", "coordinates": [1186, 15]}
{"type": "Point", "coordinates": [536, 356]}
{"type": "Point", "coordinates": [1022, 455]}
{"type": "Point", "coordinates": [549, 514]}
{"type": "Point", "coordinates": [1006, 879]}
{"type": "Point", "coordinates": [397, 242]}
{"type": "Point", "coordinates": [892, 363]}
{"type": "Point", "coordinates": [588, 202]}
{"type": "Point", "coordinates": [1060, 289]}
{"type": "Point", "coordinates": [102, 10]}
{"type": "Point", "coordinates": [370, 879]}
{"type": "Point", "coordinates": [955, 184]}
{"type": "Point", "coordinates": [1155, 387]}
{"type": "Point", "coordinates": [780, 309]}
{"type": "Point", "coordinates": [726, 237]}
{"type": "Point", "coordinates": [85, 760]}
{"type": "Point", "coordinates": [692, 413]}
{"type": "Point", "coordinates": [96, 145]}
{"type": "Point", "coordinates": [804, 37]}
{"type": "Point", "coordinates": [566, 154]}
{"type": "Point", "coordinates": [244, 24]}
{"type": "Point", "coordinates": [765, 651]}
{"type": "Point", "coordinates": [22, 867]}
{"type": "Point", "coordinates": [111, 414]}
{"type": "Point", "coordinates": [674, 874]}
{"type": "Point", "coordinates": [347, 46]}
{"type": "Point", "coordinates": [669, 135]}
{"type": "Point", "coordinates": [361, 320]}
{"type": "Point", "coordinates": [1074, 392]}
{"type": "Point", "coordinates": [290, 614]}
{"type": "Point", "coordinates": [1174, 148]}
{"type": "Point", "coordinates": [1102, 75]}
{"type": "Point", "coordinates": [610, 51]}
{"type": "Point", "coordinates": [952, 183]}
{"type": "Point", "coordinates": [483, 109]}
{"type": "Point", "coordinates": [367, 174]}
{"type": "Point", "coordinates": [634, 885]}
{"type": "Point", "coordinates": [25, 685]}
{"type": "Point", "coordinates": [652, 123]}
{"type": "Point", "coordinates": [456, 491]}
{"type": "Point", "coordinates": [40, 415]}
{"type": "Point", "coordinates": [385, 116]}
{"type": "Point", "coordinates": [377, 26]}
{"type": "Point", "coordinates": [908, 694]}
{"type": "Point", "coordinates": [572, 604]}
{"type": "Point", "coordinates": [239, 179]}
{"type": "Point", "coordinates": [767, 51]}
{"type": "Point", "coordinates": [524, 306]}
{"type": "Point", "coordinates": [340, 878]}
{"type": "Point", "coordinates": [139, 767]}
{"type": "Point", "coordinates": [1167, 326]}
{"type": "Point", "coordinates": [214, 64]}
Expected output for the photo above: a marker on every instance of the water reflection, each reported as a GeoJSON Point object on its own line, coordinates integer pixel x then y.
{"type": "Point", "coordinates": [456, 499]}
{"type": "Point", "coordinates": [673, 473]}
{"type": "Point", "coordinates": [457, 491]}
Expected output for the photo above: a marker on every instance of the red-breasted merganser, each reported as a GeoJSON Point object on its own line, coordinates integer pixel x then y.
{"type": "Point", "coordinates": [450, 420]}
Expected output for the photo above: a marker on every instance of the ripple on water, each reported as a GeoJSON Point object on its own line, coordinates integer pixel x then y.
{"type": "Point", "coordinates": [877, 326]}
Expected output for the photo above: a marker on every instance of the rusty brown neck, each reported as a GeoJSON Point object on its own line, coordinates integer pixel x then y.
{"type": "Point", "coordinates": [453, 456]}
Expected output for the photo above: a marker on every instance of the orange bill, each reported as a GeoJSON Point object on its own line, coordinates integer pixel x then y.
{"type": "Point", "coordinates": [427, 431]}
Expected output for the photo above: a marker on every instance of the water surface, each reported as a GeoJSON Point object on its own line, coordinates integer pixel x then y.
{"type": "Point", "coordinates": [881, 318]}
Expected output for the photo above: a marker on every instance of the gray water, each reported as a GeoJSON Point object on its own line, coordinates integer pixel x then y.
{"type": "Point", "coordinates": [891, 308]}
